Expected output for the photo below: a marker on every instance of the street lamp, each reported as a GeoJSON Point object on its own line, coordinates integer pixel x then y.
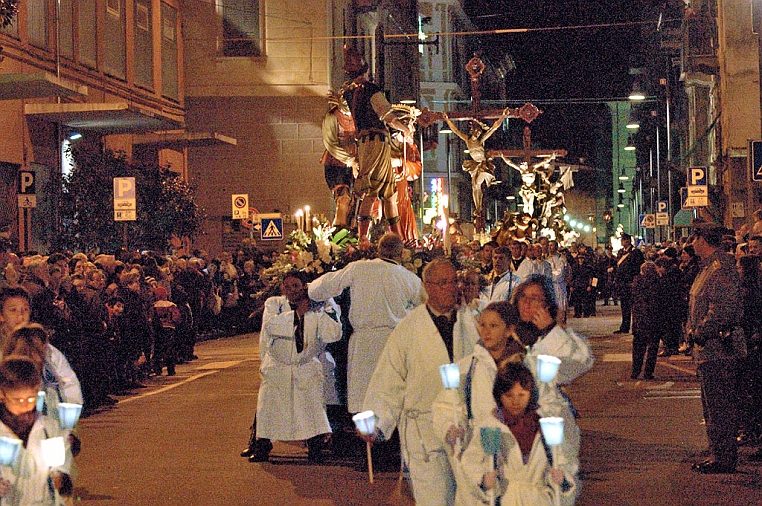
{"type": "Point", "coordinates": [636, 93]}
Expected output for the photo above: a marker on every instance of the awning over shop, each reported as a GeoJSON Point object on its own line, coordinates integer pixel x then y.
{"type": "Point", "coordinates": [179, 139]}
{"type": "Point", "coordinates": [108, 117]}
{"type": "Point", "coordinates": [37, 85]}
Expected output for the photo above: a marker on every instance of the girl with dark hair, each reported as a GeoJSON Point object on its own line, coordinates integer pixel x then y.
{"type": "Point", "coordinates": [524, 472]}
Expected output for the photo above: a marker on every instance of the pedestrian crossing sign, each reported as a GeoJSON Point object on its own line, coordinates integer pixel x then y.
{"type": "Point", "coordinates": [272, 227]}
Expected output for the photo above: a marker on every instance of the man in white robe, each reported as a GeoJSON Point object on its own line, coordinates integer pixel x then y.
{"type": "Point", "coordinates": [560, 275]}
{"type": "Point", "coordinates": [381, 292]}
{"type": "Point", "coordinates": [502, 280]}
{"type": "Point", "coordinates": [291, 401]}
{"type": "Point", "coordinates": [407, 381]}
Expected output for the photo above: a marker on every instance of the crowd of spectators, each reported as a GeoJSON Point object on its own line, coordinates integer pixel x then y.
{"type": "Point", "coordinates": [120, 319]}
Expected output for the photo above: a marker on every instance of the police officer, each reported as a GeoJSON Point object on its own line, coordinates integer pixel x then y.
{"type": "Point", "coordinates": [713, 325]}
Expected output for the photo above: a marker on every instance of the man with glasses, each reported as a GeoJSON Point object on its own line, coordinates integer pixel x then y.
{"type": "Point", "coordinates": [714, 328]}
{"type": "Point", "coordinates": [407, 381]}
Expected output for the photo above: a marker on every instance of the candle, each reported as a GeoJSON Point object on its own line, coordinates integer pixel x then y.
{"type": "Point", "coordinates": [53, 451]}
{"type": "Point", "coordinates": [68, 414]}
{"type": "Point", "coordinates": [365, 422]}
{"type": "Point", "coordinates": [547, 367]}
{"type": "Point", "coordinates": [490, 440]}
{"type": "Point", "coordinates": [446, 219]}
{"type": "Point", "coordinates": [307, 220]}
{"type": "Point", "coordinates": [9, 449]}
{"type": "Point", "coordinates": [552, 430]}
{"type": "Point", "coordinates": [299, 215]}
{"type": "Point", "coordinates": [450, 375]}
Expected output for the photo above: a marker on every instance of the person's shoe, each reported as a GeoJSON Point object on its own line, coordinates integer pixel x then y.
{"type": "Point", "coordinates": [648, 377]}
{"type": "Point", "coordinates": [261, 452]}
{"type": "Point", "coordinates": [710, 467]}
{"type": "Point", "coordinates": [259, 456]}
{"type": "Point", "coordinates": [620, 331]}
{"type": "Point", "coordinates": [634, 376]}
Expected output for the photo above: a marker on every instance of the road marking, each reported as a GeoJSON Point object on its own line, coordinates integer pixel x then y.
{"type": "Point", "coordinates": [166, 388]}
{"type": "Point", "coordinates": [219, 365]}
{"type": "Point", "coordinates": [617, 357]}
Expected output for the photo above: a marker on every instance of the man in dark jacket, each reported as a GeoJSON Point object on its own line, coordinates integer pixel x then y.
{"type": "Point", "coordinates": [628, 261]}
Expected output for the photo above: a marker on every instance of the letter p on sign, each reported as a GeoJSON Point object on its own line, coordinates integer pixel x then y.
{"type": "Point", "coordinates": [26, 182]}
{"type": "Point", "coordinates": [124, 187]}
{"type": "Point", "coordinates": [697, 176]}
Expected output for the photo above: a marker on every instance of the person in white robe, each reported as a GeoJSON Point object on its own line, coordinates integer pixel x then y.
{"type": "Point", "coordinates": [382, 292]}
{"type": "Point", "coordinates": [560, 275]}
{"type": "Point", "coordinates": [457, 411]}
{"type": "Point", "coordinates": [524, 470]}
{"type": "Point", "coordinates": [291, 401]}
{"type": "Point", "coordinates": [407, 381]}
{"type": "Point", "coordinates": [501, 281]}
{"type": "Point", "coordinates": [29, 478]}
{"type": "Point", "coordinates": [539, 331]}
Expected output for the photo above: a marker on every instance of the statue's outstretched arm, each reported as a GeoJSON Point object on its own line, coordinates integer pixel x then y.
{"type": "Point", "coordinates": [453, 127]}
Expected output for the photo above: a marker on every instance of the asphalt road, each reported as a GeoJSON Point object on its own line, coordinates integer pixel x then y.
{"type": "Point", "coordinates": [177, 441]}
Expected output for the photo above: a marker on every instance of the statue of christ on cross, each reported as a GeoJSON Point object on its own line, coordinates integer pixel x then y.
{"type": "Point", "coordinates": [480, 166]}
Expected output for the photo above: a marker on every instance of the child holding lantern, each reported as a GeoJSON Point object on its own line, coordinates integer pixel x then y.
{"type": "Point", "coordinates": [520, 469]}
{"type": "Point", "coordinates": [31, 477]}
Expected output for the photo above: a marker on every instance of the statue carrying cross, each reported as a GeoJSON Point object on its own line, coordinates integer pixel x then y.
{"type": "Point", "coordinates": [480, 165]}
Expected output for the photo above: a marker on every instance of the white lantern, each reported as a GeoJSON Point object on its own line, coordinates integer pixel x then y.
{"type": "Point", "coordinates": [552, 430]}
{"type": "Point", "coordinates": [9, 450]}
{"type": "Point", "coordinates": [365, 422]}
{"type": "Point", "coordinates": [53, 451]}
{"type": "Point", "coordinates": [68, 414]}
{"type": "Point", "coordinates": [450, 375]}
{"type": "Point", "coordinates": [40, 401]}
{"type": "Point", "coordinates": [547, 367]}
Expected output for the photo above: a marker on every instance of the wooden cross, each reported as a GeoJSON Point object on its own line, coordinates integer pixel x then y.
{"type": "Point", "coordinates": [527, 153]}
{"type": "Point", "coordinates": [475, 68]}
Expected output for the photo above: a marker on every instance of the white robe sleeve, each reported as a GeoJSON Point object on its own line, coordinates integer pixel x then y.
{"type": "Point", "coordinates": [329, 323]}
{"type": "Point", "coordinates": [386, 392]}
{"type": "Point", "coordinates": [273, 307]}
{"type": "Point", "coordinates": [69, 388]}
{"type": "Point", "coordinates": [330, 284]}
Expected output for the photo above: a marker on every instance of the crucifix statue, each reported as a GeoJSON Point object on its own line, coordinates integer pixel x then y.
{"type": "Point", "coordinates": [480, 165]}
{"type": "Point", "coordinates": [529, 192]}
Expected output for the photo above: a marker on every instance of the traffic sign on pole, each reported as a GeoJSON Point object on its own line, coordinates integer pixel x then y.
{"type": "Point", "coordinates": [240, 206]}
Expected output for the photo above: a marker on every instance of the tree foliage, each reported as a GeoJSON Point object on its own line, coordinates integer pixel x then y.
{"type": "Point", "coordinates": [165, 204]}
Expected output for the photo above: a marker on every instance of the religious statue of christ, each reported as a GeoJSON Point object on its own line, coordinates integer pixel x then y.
{"type": "Point", "coordinates": [480, 166]}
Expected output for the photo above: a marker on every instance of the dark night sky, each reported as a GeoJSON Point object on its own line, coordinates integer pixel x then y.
{"type": "Point", "coordinates": [559, 65]}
